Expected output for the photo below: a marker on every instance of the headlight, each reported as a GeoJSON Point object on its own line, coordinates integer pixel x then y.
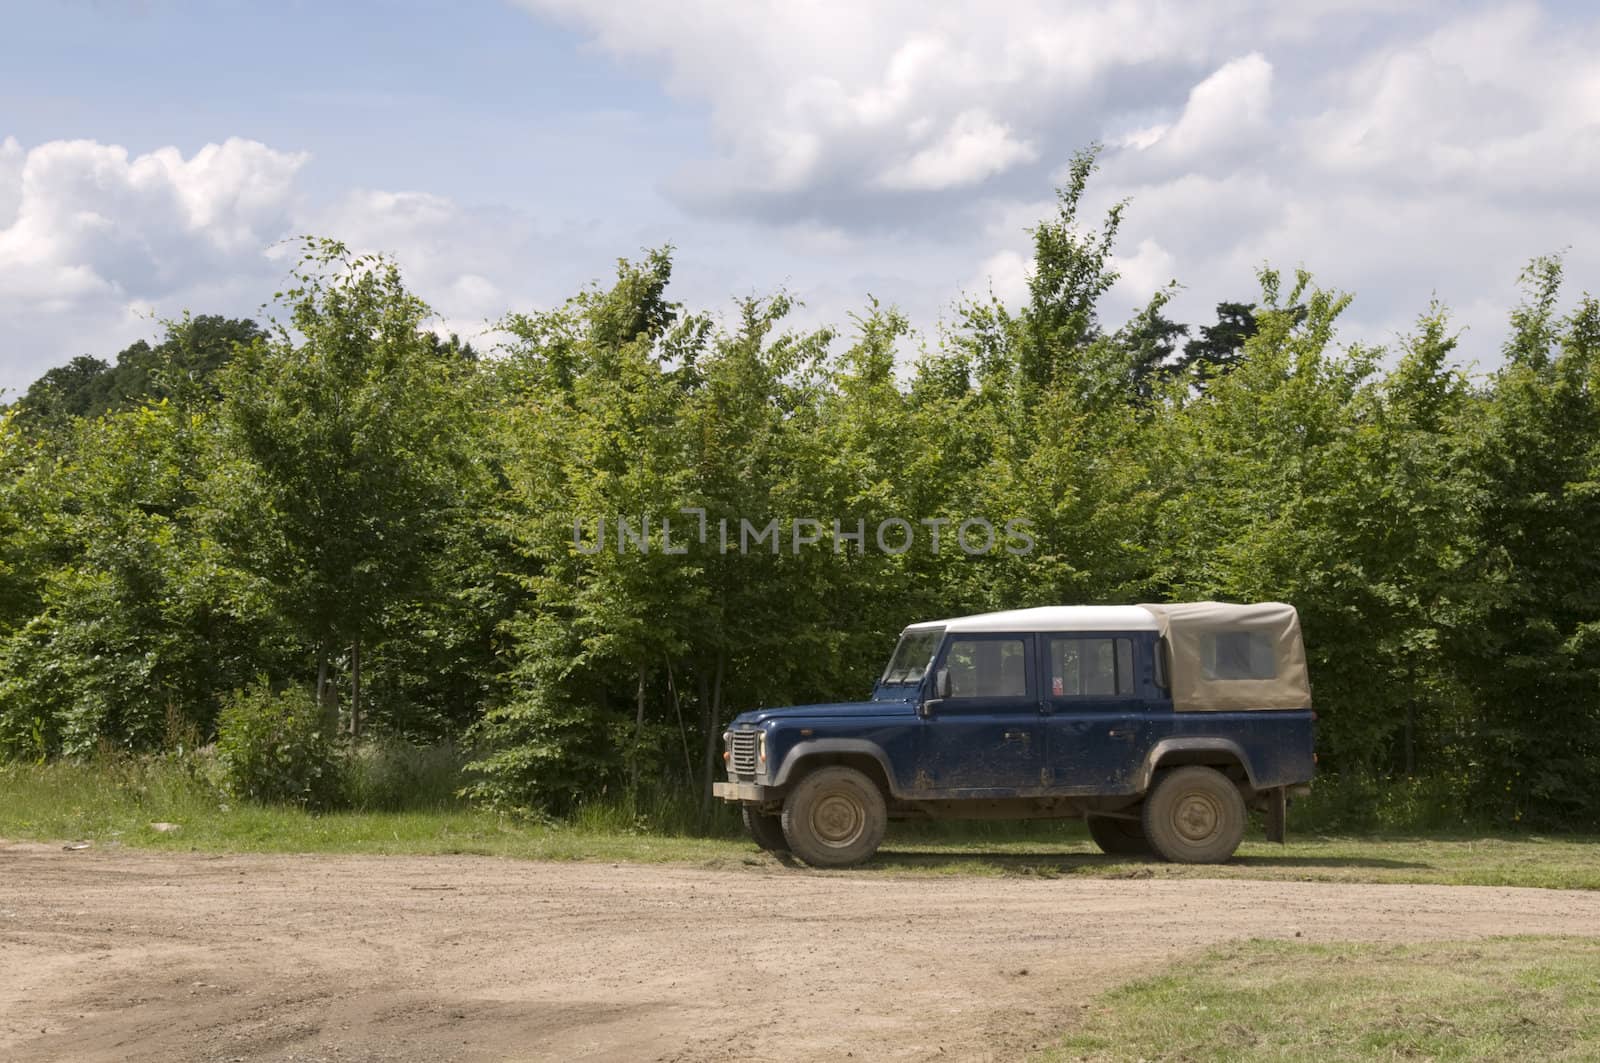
{"type": "Point", "coordinates": [761, 746]}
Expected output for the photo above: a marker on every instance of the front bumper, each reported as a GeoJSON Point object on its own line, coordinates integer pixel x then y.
{"type": "Point", "coordinates": [741, 791]}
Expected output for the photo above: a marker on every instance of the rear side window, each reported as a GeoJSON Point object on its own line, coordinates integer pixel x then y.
{"type": "Point", "coordinates": [987, 668]}
{"type": "Point", "coordinates": [1237, 655]}
{"type": "Point", "coordinates": [1087, 668]}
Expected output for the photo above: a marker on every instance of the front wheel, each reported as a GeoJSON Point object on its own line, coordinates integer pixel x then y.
{"type": "Point", "coordinates": [766, 829]}
{"type": "Point", "coordinates": [835, 817]}
{"type": "Point", "coordinates": [1118, 837]}
{"type": "Point", "coordinates": [1194, 815]}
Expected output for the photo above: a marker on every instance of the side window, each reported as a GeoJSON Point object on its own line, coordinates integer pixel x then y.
{"type": "Point", "coordinates": [987, 668]}
{"type": "Point", "coordinates": [1090, 668]}
{"type": "Point", "coordinates": [1237, 655]}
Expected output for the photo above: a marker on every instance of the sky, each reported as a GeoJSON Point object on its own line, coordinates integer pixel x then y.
{"type": "Point", "coordinates": [156, 154]}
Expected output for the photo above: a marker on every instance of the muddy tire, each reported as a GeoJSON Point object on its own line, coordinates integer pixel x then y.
{"type": "Point", "coordinates": [1118, 837]}
{"type": "Point", "coordinates": [1194, 815]}
{"type": "Point", "coordinates": [766, 829]}
{"type": "Point", "coordinates": [835, 817]}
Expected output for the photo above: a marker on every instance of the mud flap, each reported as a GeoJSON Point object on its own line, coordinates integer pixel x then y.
{"type": "Point", "coordinates": [1277, 814]}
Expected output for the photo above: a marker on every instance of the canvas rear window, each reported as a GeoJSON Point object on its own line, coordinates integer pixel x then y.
{"type": "Point", "coordinates": [1237, 655]}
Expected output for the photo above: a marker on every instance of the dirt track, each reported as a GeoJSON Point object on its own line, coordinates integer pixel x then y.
{"type": "Point", "coordinates": [113, 955]}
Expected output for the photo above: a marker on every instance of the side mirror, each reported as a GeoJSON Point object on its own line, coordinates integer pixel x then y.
{"type": "Point", "coordinates": [941, 690]}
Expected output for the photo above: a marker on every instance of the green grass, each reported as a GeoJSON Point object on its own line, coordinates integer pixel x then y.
{"type": "Point", "coordinates": [117, 802]}
{"type": "Point", "coordinates": [1499, 999]}
{"type": "Point", "coordinates": [1452, 860]}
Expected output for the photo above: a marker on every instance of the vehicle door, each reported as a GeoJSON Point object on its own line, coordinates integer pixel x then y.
{"type": "Point", "coordinates": [1096, 729]}
{"type": "Point", "coordinates": [986, 732]}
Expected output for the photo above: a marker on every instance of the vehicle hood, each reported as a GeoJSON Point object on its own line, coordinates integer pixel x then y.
{"type": "Point", "coordinates": [833, 709]}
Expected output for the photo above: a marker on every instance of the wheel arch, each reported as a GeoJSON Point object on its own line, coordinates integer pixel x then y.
{"type": "Point", "coordinates": [1221, 753]}
{"type": "Point", "coordinates": [866, 757]}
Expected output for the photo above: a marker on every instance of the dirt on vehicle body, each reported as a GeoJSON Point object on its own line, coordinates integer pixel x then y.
{"type": "Point", "coordinates": [121, 955]}
{"type": "Point", "coordinates": [1163, 726]}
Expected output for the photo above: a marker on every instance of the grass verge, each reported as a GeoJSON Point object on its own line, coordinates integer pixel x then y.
{"type": "Point", "coordinates": [1501, 998]}
{"type": "Point", "coordinates": [119, 802]}
{"type": "Point", "coordinates": [128, 802]}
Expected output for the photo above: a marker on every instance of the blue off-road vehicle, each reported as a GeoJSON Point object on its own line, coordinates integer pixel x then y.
{"type": "Point", "coordinates": [1161, 725]}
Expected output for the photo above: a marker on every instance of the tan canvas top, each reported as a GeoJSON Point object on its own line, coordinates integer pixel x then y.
{"type": "Point", "coordinates": [1229, 657]}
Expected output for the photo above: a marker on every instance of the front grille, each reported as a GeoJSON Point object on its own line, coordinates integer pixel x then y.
{"type": "Point", "coordinates": [742, 753]}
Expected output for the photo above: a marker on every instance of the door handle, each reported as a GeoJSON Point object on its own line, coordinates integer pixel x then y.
{"type": "Point", "coordinates": [1121, 732]}
{"type": "Point", "coordinates": [1016, 736]}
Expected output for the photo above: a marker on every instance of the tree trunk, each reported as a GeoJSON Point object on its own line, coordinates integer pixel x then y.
{"type": "Point", "coordinates": [1411, 745]}
{"type": "Point", "coordinates": [355, 689]}
{"type": "Point", "coordinates": [638, 737]}
{"type": "Point", "coordinates": [683, 732]}
{"type": "Point", "coordinates": [1411, 723]}
{"type": "Point", "coordinates": [703, 688]}
{"type": "Point", "coordinates": [712, 714]}
{"type": "Point", "coordinates": [322, 677]}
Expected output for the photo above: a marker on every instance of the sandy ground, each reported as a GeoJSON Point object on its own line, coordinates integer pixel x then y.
{"type": "Point", "coordinates": [111, 954]}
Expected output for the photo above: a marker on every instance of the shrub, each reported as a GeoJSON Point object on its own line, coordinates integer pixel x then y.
{"type": "Point", "coordinates": [278, 747]}
{"type": "Point", "coordinates": [1361, 803]}
{"type": "Point", "coordinates": [389, 775]}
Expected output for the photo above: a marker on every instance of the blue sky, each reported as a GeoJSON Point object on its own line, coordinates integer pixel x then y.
{"type": "Point", "coordinates": [475, 99]}
{"type": "Point", "coordinates": [151, 153]}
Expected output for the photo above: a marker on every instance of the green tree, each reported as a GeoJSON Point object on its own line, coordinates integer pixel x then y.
{"type": "Point", "coordinates": [346, 447]}
{"type": "Point", "coordinates": [1071, 271]}
{"type": "Point", "coordinates": [182, 366]}
{"type": "Point", "coordinates": [1219, 346]}
{"type": "Point", "coordinates": [22, 546]}
{"type": "Point", "coordinates": [65, 392]}
{"type": "Point", "coordinates": [1533, 657]}
{"type": "Point", "coordinates": [1264, 499]}
{"type": "Point", "coordinates": [126, 640]}
{"type": "Point", "coordinates": [592, 439]}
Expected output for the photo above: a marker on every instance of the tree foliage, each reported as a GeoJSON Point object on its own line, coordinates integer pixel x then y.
{"type": "Point", "coordinates": [588, 551]}
{"type": "Point", "coordinates": [184, 364]}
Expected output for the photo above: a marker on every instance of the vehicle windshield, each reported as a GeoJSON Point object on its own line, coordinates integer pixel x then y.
{"type": "Point", "coordinates": [913, 655]}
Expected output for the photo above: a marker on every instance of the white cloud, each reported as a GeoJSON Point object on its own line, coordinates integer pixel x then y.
{"type": "Point", "coordinates": [1434, 163]}
{"type": "Point", "coordinates": [1500, 101]}
{"type": "Point", "coordinates": [91, 223]}
{"type": "Point", "coordinates": [974, 148]}
{"type": "Point", "coordinates": [1226, 110]}
{"type": "Point", "coordinates": [1142, 138]}
{"type": "Point", "coordinates": [904, 149]}
{"type": "Point", "coordinates": [448, 253]}
{"type": "Point", "coordinates": [101, 243]}
{"type": "Point", "coordinates": [11, 160]}
{"type": "Point", "coordinates": [91, 238]}
{"type": "Point", "coordinates": [1148, 269]}
{"type": "Point", "coordinates": [1243, 132]}
{"type": "Point", "coordinates": [830, 110]}
{"type": "Point", "coordinates": [1005, 275]}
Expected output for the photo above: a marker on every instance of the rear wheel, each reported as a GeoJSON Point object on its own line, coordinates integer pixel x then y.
{"type": "Point", "coordinates": [1119, 837]}
{"type": "Point", "coordinates": [766, 829]}
{"type": "Point", "coordinates": [835, 817]}
{"type": "Point", "coordinates": [1194, 815]}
